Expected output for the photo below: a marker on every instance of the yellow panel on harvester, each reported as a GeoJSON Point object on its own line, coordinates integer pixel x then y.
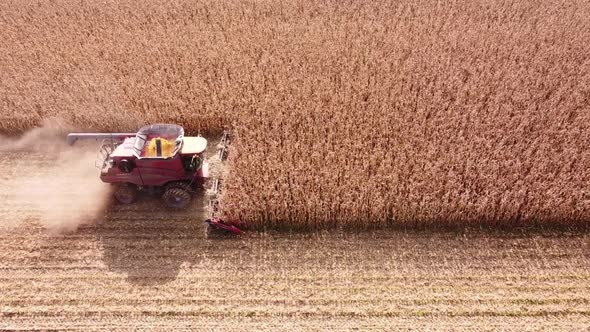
{"type": "Point", "coordinates": [160, 148]}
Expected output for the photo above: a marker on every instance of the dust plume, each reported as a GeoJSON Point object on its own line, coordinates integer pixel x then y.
{"type": "Point", "coordinates": [48, 137]}
{"type": "Point", "coordinates": [57, 185]}
{"type": "Point", "coordinates": [67, 194]}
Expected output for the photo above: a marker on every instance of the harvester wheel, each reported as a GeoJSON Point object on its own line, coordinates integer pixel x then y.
{"type": "Point", "coordinates": [177, 197]}
{"type": "Point", "coordinates": [125, 194]}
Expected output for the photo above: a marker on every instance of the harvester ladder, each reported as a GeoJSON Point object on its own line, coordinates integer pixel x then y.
{"type": "Point", "coordinates": [106, 148]}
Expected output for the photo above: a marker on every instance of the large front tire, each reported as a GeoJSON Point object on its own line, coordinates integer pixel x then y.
{"type": "Point", "coordinates": [125, 193]}
{"type": "Point", "coordinates": [177, 197]}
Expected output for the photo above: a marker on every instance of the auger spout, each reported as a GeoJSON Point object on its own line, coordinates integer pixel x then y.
{"type": "Point", "coordinates": [73, 137]}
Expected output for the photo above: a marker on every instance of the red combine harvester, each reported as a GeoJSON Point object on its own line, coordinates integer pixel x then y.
{"type": "Point", "coordinates": [158, 158]}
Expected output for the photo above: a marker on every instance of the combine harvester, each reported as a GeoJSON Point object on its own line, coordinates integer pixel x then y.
{"type": "Point", "coordinates": [158, 159]}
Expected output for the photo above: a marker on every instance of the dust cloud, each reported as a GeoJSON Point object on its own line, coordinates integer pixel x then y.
{"type": "Point", "coordinates": [56, 185]}
{"type": "Point", "coordinates": [50, 137]}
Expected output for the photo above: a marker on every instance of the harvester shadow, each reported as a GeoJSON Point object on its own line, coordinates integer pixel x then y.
{"type": "Point", "coordinates": [149, 243]}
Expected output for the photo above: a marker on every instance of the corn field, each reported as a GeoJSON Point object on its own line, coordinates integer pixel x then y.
{"type": "Point", "coordinates": [354, 113]}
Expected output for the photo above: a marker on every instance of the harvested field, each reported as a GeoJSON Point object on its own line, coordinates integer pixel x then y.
{"type": "Point", "coordinates": [144, 267]}
{"type": "Point", "coordinates": [357, 113]}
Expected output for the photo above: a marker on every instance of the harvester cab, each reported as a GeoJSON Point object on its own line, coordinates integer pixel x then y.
{"type": "Point", "coordinates": [156, 158]}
